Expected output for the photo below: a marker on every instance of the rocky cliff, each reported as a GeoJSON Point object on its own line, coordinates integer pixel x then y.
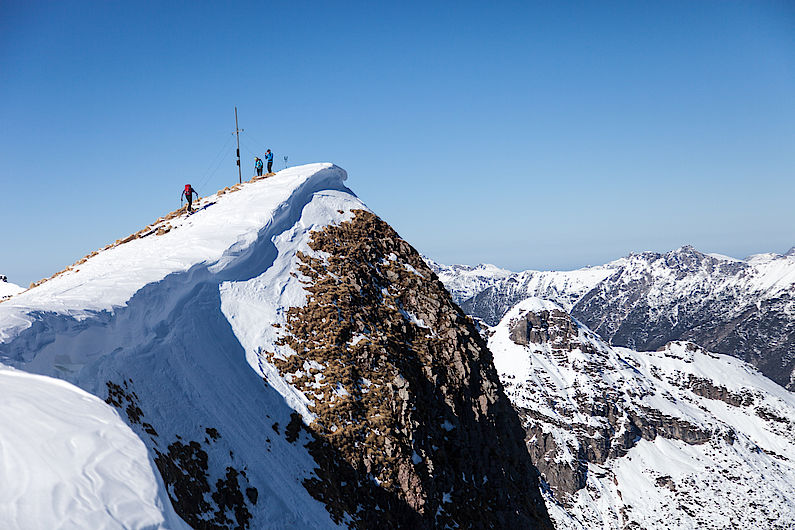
{"type": "Point", "coordinates": [678, 438]}
{"type": "Point", "coordinates": [408, 403]}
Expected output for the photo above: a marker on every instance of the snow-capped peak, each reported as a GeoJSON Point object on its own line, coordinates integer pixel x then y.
{"type": "Point", "coordinates": [261, 348]}
{"type": "Point", "coordinates": [221, 229]}
{"type": "Point", "coordinates": [146, 325]}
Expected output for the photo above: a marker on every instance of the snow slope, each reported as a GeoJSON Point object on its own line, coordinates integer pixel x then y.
{"type": "Point", "coordinates": [109, 279]}
{"type": "Point", "coordinates": [147, 325]}
{"type": "Point", "coordinates": [67, 460]}
{"type": "Point", "coordinates": [677, 438]}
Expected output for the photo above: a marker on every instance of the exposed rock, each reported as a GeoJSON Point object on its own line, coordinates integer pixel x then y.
{"type": "Point", "coordinates": [602, 423]}
{"type": "Point", "coordinates": [413, 427]}
{"type": "Point", "coordinates": [184, 467]}
{"type": "Point", "coordinates": [677, 438]}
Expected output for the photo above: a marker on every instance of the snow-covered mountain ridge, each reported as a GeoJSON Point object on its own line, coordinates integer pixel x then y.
{"type": "Point", "coordinates": [288, 362]}
{"type": "Point", "coordinates": [677, 438]}
{"type": "Point", "coordinates": [488, 292]}
{"type": "Point", "coordinates": [744, 308]}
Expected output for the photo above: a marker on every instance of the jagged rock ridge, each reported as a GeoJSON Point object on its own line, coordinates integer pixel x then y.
{"type": "Point", "coordinates": [742, 308]}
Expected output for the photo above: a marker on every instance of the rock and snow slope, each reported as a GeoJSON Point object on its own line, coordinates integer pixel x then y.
{"type": "Point", "coordinates": [141, 326]}
{"type": "Point", "coordinates": [220, 338]}
{"type": "Point", "coordinates": [67, 460]}
{"type": "Point", "coordinates": [745, 308]}
{"type": "Point", "coordinates": [677, 438]}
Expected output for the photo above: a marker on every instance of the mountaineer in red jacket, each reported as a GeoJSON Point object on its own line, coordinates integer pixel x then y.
{"type": "Point", "coordinates": [188, 194]}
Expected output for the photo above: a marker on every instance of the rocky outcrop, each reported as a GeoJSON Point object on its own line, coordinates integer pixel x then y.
{"type": "Point", "coordinates": [603, 424]}
{"type": "Point", "coordinates": [554, 326]}
{"type": "Point", "coordinates": [676, 438]}
{"type": "Point", "coordinates": [412, 426]}
{"type": "Point", "coordinates": [184, 467]}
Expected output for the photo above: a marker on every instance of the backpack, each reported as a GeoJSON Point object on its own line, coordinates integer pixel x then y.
{"type": "Point", "coordinates": [188, 191]}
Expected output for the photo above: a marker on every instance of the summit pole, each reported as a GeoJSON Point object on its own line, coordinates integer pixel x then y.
{"type": "Point", "coordinates": [237, 133]}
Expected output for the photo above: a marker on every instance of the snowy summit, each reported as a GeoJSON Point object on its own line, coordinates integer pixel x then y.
{"type": "Point", "coordinates": [286, 360]}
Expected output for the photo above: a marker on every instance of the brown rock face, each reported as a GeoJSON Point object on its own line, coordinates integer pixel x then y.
{"type": "Point", "coordinates": [413, 426]}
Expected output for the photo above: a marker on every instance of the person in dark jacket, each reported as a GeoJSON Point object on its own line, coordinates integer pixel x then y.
{"type": "Point", "coordinates": [258, 165]}
{"type": "Point", "coordinates": [188, 194]}
{"type": "Point", "coordinates": [269, 158]}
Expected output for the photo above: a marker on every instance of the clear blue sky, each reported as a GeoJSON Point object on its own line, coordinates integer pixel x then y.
{"type": "Point", "coordinates": [526, 134]}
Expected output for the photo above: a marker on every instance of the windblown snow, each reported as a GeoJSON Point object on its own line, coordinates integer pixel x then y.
{"type": "Point", "coordinates": [67, 460]}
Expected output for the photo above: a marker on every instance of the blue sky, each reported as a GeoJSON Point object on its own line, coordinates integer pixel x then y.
{"type": "Point", "coordinates": [526, 134]}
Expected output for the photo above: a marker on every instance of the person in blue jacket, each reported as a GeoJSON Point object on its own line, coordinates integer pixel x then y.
{"type": "Point", "coordinates": [258, 166]}
{"type": "Point", "coordinates": [269, 158]}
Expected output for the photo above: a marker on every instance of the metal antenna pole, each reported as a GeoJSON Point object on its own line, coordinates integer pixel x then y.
{"type": "Point", "coordinates": [237, 133]}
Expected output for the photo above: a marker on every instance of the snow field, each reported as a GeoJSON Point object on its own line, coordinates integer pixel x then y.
{"type": "Point", "coordinates": [8, 289]}
{"type": "Point", "coordinates": [67, 460]}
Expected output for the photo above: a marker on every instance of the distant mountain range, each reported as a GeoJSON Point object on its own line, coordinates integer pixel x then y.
{"type": "Point", "coordinates": [744, 308]}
